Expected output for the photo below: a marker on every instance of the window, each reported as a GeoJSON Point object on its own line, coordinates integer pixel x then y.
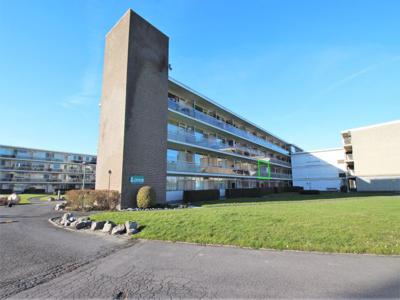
{"type": "Point", "coordinates": [6, 152]}
{"type": "Point", "coordinates": [39, 155]}
{"type": "Point", "coordinates": [172, 155]}
{"type": "Point", "coordinates": [22, 153]}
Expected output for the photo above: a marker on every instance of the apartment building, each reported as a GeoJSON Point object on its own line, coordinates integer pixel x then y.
{"type": "Point", "coordinates": [373, 157]}
{"type": "Point", "coordinates": [156, 131]}
{"type": "Point", "coordinates": [323, 170]}
{"type": "Point", "coordinates": [34, 170]}
{"type": "Point", "coordinates": [210, 147]}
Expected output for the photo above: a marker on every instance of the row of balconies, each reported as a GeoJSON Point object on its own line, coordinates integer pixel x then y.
{"type": "Point", "coordinates": [38, 169]}
{"type": "Point", "coordinates": [213, 143]}
{"type": "Point", "coordinates": [190, 111]}
{"type": "Point", "coordinates": [41, 180]}
{"type": "Point", "coordinates": [58, 160]}
{"type": "Point", "coordinates": [184, 166]}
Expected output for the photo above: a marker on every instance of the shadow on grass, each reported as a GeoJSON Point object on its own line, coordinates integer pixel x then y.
{"type": "Point", "coordinates": [291, 197]}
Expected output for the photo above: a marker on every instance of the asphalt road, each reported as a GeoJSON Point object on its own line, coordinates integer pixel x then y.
{"type": "Point", "coordinates": [60, 264]}
{"type": "Point", "coordinates": [33, 251]}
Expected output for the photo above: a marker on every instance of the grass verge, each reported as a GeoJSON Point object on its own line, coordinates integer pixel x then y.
{"type": "Point", "coordinates": [356, 224]}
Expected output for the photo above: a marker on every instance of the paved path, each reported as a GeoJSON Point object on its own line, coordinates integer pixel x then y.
{"type": "Point", "coordinates": [33, 251]}
{"type": "Point", "coordinates": [156, 269]}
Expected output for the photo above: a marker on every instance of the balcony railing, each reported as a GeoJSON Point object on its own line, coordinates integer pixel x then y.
{"type": "Point", "coordinates": [46, 159]}
{"type": "Point", "coordinates": [213, 143]}
{"type": "Point", "coordinates": [220, 124]}
{"type": "Point", "coordinates": [347, 140]}
{"type": "Point", "coordinates": [349, 157]}
{"type": "Point", "coordinates": [41, 180]}
{"type": "Point", "coordinates": [184, 166]}
{"type": "Point", "coordinates": [184, 136]}
{"type": "Point", "coordinates": [38, 169]}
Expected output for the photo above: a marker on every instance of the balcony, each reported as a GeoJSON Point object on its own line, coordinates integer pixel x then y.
{"type": "Point", "coordinates": [347, 140]}
{"type": "Point", "coordinates": [184, 166]}
{"type": "Point", "coordinates": [351, 172]}
{"type": "Point", "coordinates": [189, 111]}
{"type": "Point", "coordinates": [213, 143]}
{"type": "Point", "coordinates": [43, 170]}
{"type": "Point", "coordinates": [349, 157]}
{"type": "Point", "coordinates": [42, 180]}
{"type": "Point", "coordinates": [191, 167]}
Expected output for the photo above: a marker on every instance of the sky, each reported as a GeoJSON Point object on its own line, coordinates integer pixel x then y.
{"type": "Point", "coordinates": [303, 70]}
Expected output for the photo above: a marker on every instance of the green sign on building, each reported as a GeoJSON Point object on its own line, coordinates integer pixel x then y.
{"type": "Point", "coordinates": [136, 179]}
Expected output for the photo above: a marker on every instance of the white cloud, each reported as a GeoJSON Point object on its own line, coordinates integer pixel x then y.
{"type": "Point", "coordinates": [359, 73]}
{"type": "Point", "coordinates": [90, 81]}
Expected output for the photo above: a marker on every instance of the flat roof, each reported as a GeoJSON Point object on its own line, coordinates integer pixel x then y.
{"type": "Point", "coordinates": [35, 149]}
{"type": "Point", "coordinates": [318, 150]}
{"type": "Point", "coordinates": [178, 83]}
{"type": "Point", "coordinates": [371, 126]}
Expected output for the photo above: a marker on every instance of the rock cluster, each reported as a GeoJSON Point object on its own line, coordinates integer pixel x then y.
{"type": "Point", "coordinates": [109, 227]}
{"type": "Point", "coordinates": [60, 206]}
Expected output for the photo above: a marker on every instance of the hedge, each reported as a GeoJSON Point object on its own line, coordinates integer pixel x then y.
{"type": "Point", "coordinates": [92, 199]}
{"type": "Point", "coordinates": [310, 192]}
{"type": "Point", "coordinates": [253, 192]}
{"type": "Point", "coordinates": [259, 192]}
{"type": "Point", "coordinates": [200, 195]}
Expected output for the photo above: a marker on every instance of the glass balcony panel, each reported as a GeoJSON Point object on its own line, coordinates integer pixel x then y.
{"type": "Point", "coordinates": [182, 135]}
{"type": "Point", "coordinates": [187, 110]}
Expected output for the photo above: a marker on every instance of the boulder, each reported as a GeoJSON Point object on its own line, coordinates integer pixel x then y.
{"type": "Point", "coordinates": [81, 219]}
{"type": "Point", "coordinates": [82, 224]}
{"type": "Point", "coordinates": [97, 225]}
{"type": "Point", "coordinates": [73, 224]}
{"type": "Point", "coordinates": [72, 218]}
{"type": "Point", "coordinates": [133, 231]}
{"type": "Point", "coordinates": [108, 226]}
{"type": "Point", "coordinates": [13, 199]}
{"type": "Point", "coordinates": [119, 229]}
{"type": "Point", "coordinates": [59, 206]}
{"type": "Point", "coordinates": [66, 217]}
{"type": "Point", "coordinates": [131, 227]}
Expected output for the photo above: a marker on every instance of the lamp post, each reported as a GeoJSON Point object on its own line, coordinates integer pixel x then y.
{"type": "Point", "coordinates": [109, 181]}
{"type": "Point", "coordinates": [84, 175]}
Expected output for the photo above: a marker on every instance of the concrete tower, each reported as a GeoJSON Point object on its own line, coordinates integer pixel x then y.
{"type": "Point", "coordinates": [134, 110]}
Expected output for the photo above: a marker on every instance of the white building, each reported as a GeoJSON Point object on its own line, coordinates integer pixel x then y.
{"type": "Point", "coordinates": [323, 170]}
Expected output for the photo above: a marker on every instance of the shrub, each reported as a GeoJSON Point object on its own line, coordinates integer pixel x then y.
{"type": "Point", "coordinates": [310, 192]}
{"type": "Point", "coordinates": [92, 199]}
{"type": "Point", "coordinates": [252, 192]}
{"type": "Point", "coordinates": [200, 195]}
{"type": "Point", "coordinates": [3, 200]}
{"type": "Point", "coordinates": [146, 197]}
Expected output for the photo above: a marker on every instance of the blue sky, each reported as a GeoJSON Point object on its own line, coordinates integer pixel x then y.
{"type": "Point", "coordinates": [303, 70]}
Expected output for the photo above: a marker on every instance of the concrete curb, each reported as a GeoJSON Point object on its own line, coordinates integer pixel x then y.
{"type": "Point", "coordinates": [125, 237]}
{"type": "Point", "coordinates": [271, 250]}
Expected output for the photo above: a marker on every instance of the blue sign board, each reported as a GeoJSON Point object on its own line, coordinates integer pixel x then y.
{"type": "Point", "coordinates": [136, 179]}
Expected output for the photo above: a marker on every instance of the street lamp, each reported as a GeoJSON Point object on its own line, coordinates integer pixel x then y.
{"type": "Point", "coordinates": [109, 181]}
{"type": "Point", "coordinates": [84, 174]}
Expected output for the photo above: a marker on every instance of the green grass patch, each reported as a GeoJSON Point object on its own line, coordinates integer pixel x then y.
{"type": "Point", "coordinates": [329, 223]}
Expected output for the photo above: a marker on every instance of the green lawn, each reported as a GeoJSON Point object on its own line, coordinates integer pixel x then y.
{"type": "Point", "coordinates": [332, 223]}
